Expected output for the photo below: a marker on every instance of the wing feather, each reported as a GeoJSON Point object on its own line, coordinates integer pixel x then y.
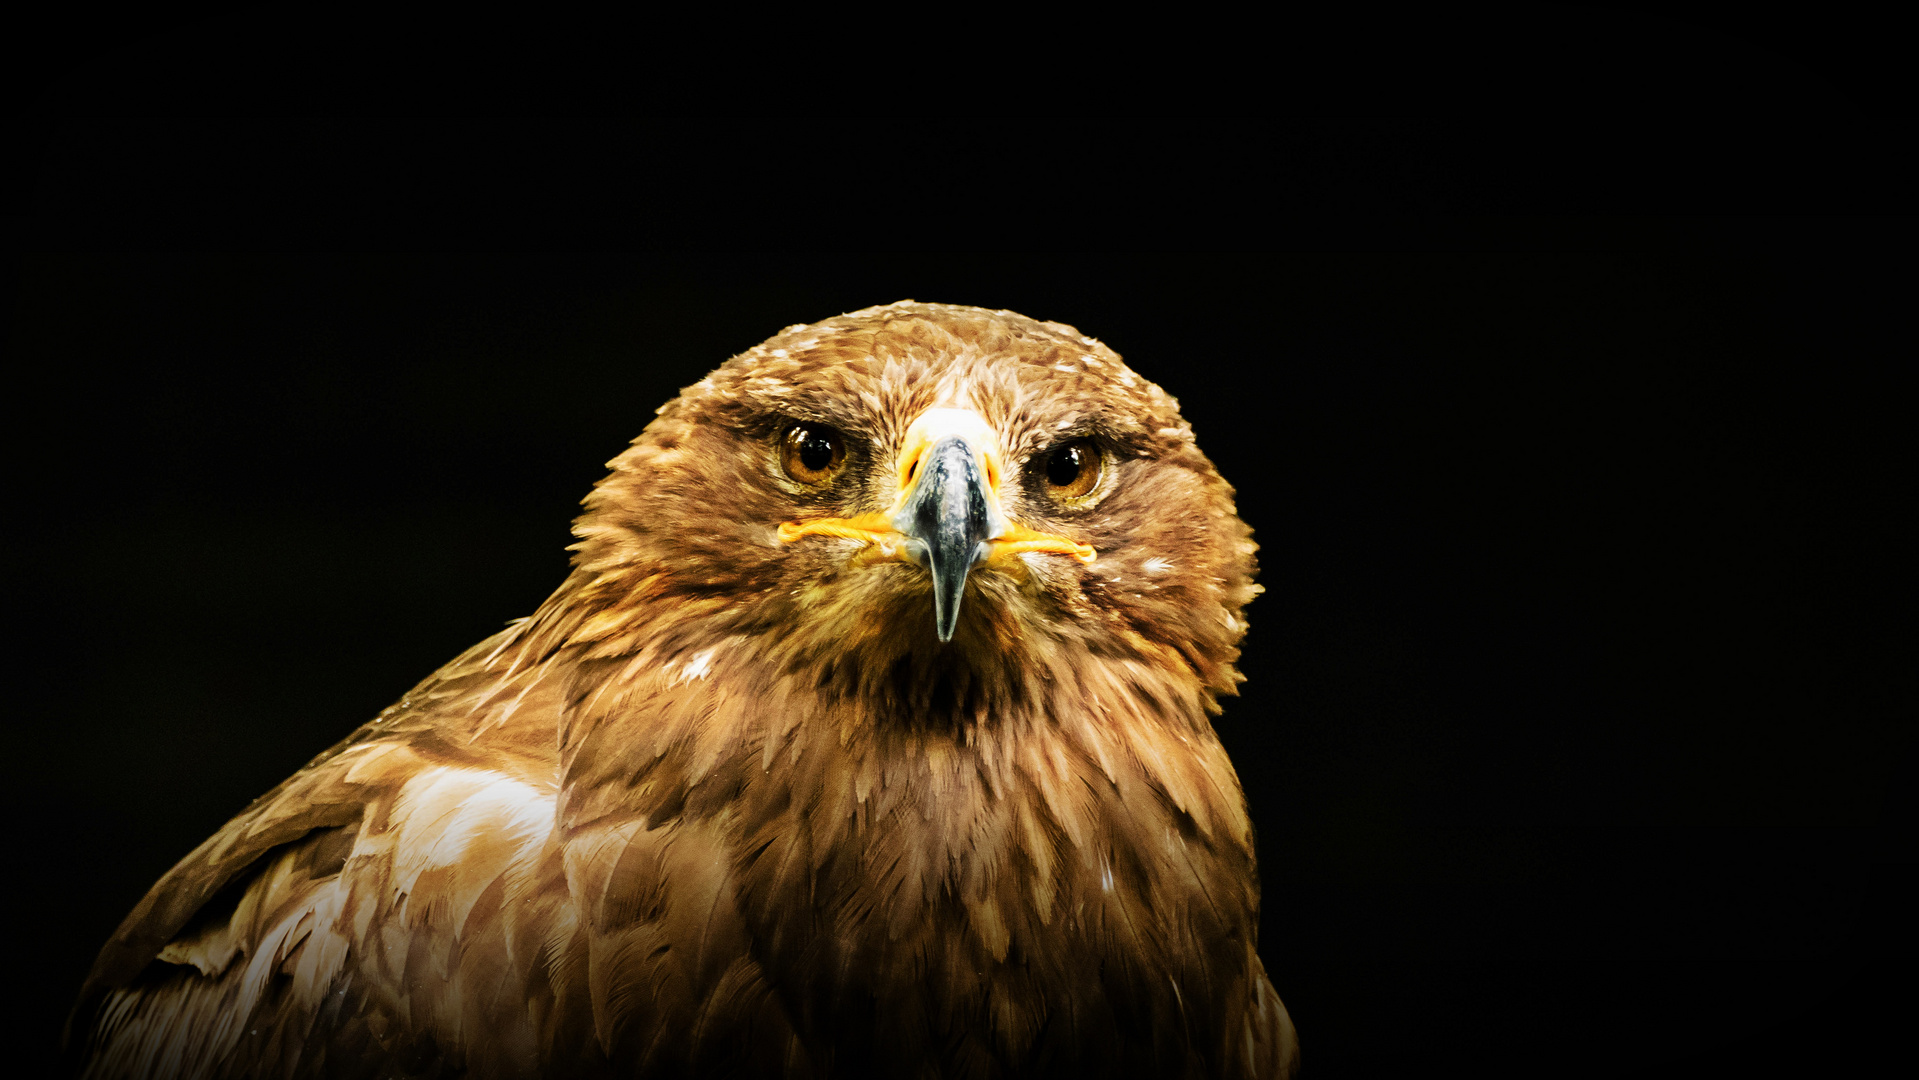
{"type": "Point", "coordinates": [410, 898]}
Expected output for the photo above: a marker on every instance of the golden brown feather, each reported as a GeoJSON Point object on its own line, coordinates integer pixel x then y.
{"type": "Point", "coordinates": [727, 805]}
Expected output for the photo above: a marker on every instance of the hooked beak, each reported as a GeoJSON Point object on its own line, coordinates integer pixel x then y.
{"type": "Point", "coordinates": [947, 517]}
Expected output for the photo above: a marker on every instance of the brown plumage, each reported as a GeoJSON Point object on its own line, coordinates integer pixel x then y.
{"type": "Point", "coordinates": [727, 804]}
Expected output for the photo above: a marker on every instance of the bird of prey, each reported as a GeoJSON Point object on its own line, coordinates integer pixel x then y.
{"type": "Point", "coordinates": [869, 735]}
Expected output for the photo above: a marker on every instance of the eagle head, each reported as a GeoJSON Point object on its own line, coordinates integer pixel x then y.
{"type": "Point", "coordinates": [929, 507]}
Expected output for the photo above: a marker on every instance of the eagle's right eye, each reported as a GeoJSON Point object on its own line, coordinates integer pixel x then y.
{"type": "Point", "coordinates": [812, 453]}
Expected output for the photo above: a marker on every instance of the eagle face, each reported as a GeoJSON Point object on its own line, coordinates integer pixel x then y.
{"type": "Point", "coordinates": [867, 736]}
{"type": "Point", "coordinates": [928, 502]}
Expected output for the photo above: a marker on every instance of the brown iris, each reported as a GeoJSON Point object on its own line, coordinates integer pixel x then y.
{"type": "Point", "coordinates": [1071, 471]}
{"type": "Point", "coordinates": [812, 453]}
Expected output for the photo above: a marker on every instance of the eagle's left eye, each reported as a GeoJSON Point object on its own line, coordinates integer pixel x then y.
{"type": "Point", "coordinates": [1072, 470]}
{"type": "Point", "coordinates": [812, 453]}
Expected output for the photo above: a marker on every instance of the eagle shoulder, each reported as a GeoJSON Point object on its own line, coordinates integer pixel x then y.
{"type": "Point", "coordinates": [408, 897]}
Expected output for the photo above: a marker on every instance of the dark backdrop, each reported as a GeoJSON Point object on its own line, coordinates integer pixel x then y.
{"type": "Point", "coordinates": [1562, 743]}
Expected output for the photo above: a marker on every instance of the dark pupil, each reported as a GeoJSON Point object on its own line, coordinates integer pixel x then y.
{"type": "Point", "coordinates": [816, 450]}
{"type": "Point", "coordinates": [1063, 467]}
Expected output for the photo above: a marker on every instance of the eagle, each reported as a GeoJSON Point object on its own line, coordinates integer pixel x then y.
{"type": "Point", "coordinates": [869, 734]}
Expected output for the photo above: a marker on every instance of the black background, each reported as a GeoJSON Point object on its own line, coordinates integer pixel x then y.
{"type": "Point", "coordinates": [1574, 731]}
{"type": "Point", "coordinates": [1557, 743]}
